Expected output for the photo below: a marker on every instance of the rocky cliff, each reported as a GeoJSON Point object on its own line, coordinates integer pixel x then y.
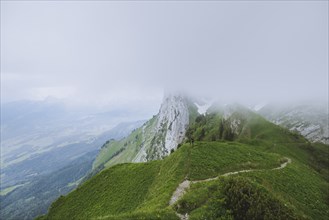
{"type": "Point", "coordinates": [156, 138]}
{"type": "Point", "coordinates": [311, 121]}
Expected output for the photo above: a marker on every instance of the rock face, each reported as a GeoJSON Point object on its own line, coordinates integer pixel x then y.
{"type": "Point", "coordinates": [174, 113]}
{"type": "Point", "coordinates": [155, 139]}
{"type": "Point", "coordinates": [169, 130]}
{"type": "Point", "coordinates": [311, 121]}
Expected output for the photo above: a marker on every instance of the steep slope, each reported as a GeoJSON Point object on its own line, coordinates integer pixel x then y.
{"type": "Point", "coordinates": [302, 183]}
{"type": "Point", "coordinates": [155, 139]}
{"type": "Point", "coordinates": [235, 122]}
{"type": "Point", "coordinates": [147, 187]}
{"type": "Point", "coordinates": [311, 121]}
{"type": "Point", "coordinates": [227, 139]}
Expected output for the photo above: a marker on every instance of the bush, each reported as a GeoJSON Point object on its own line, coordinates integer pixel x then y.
{"type": "Point", "coordinates": [247, 200]}
{"type": "Point", "coordinates": [233, 198]}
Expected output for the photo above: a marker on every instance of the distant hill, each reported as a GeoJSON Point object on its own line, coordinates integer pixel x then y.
{"type": "Point", "coordinates": [47, 150]}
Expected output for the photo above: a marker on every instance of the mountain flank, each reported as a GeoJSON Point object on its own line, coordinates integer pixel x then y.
{"type": "Point", "coordinates": [219, 146]}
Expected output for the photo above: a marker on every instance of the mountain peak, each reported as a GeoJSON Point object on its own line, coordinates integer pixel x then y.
{"type": "Point", "coordinates": [172, 122]}
{"type": "Point", "coordinates": [157, 138]}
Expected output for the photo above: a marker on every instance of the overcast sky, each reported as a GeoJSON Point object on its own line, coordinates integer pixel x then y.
{"type": "Point", "coordinates": [127, 53]}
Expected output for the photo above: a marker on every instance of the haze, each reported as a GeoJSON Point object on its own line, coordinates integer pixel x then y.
{"type": "Point", "coordinates": [108, 53]}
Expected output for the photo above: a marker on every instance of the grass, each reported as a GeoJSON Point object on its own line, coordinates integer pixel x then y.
{"type": "Point", "coordinates": [126, 149]}
{"type": "Point", "coordinates": [113, 191]}
{"type": "Point", "coordinates": [303, 185]}
{"type": "Point", "coordinates": [233, 198]}
{"type": "Point", "coordinates": [166, 214]}
{"type": "Point", "coordinates": [299, 186]}
{"type": "Point", "coordinates": [210, 159]}
{"type": "Point", "coordinates": [123, 189]}
{"type": "Point", "coordinates": [143, 190]}
{"type": "Point", "coordinates": [128, 146]}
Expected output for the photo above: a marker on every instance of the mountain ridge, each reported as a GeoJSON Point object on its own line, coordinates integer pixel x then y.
{"type": "Point", "coordinates": [227, 139]}
{"type": "Point", "coordinates": [311, 121]}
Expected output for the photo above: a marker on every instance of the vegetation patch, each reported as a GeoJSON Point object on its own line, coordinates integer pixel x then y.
{"type": "Point", "coordinates": [210, 159]}
{"type": "Point", "coordinates": [298, 185]}
{"type": "Point", "coordinates": [233, 198]}
{"type": "Point", "coordinates": [215, 145]}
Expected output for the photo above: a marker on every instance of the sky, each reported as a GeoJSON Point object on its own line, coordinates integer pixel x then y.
{"type": "Point", "coordinates": [126, 54]}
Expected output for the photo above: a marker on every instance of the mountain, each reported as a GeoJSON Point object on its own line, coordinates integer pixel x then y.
{"type": "Point", "coordinates": [231, 164]}
{"type": "Point", "coordinates": [244, 141]}
{"type": "Point", "coordinates": [311, 121]}
{"type": "Point", "coordinates": [156, 138]}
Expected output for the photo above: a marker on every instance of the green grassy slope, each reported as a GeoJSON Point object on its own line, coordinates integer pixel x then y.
{"type": "Point", "coordinates": [254, 130]}
{"type": "Point", "coordinates": [134, 189]}
{"type": "Point", "coordinates": [302, 186]}
{"type": "Point", "coordinates": [233, 198]}
{"type": "Point", "coordinates": [118, 190]}
{"type": "Point", "coordinates": [126, 149]}
{"type": "Point", "coordinates": [210, 159]}
{"type": "Point", "coordinates": [143, 190]}
{"type": "Point", "coordinates": [298, 187]}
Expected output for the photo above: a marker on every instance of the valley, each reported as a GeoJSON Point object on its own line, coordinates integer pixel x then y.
{"type": "Point", "coordinates": [50, 154]}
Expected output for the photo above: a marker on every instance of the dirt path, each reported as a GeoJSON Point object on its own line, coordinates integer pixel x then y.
{"type": "Point", "coordinates": [181, 189]}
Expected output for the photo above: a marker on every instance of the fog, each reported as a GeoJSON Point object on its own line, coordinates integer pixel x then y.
{"type": "Point", "coordinates": [128, 53]}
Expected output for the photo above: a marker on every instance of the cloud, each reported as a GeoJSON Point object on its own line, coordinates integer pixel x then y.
{"type": "Point", "coordinates": [58, 92]}
{"type": "Point", "coordinates": [111, 53]}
